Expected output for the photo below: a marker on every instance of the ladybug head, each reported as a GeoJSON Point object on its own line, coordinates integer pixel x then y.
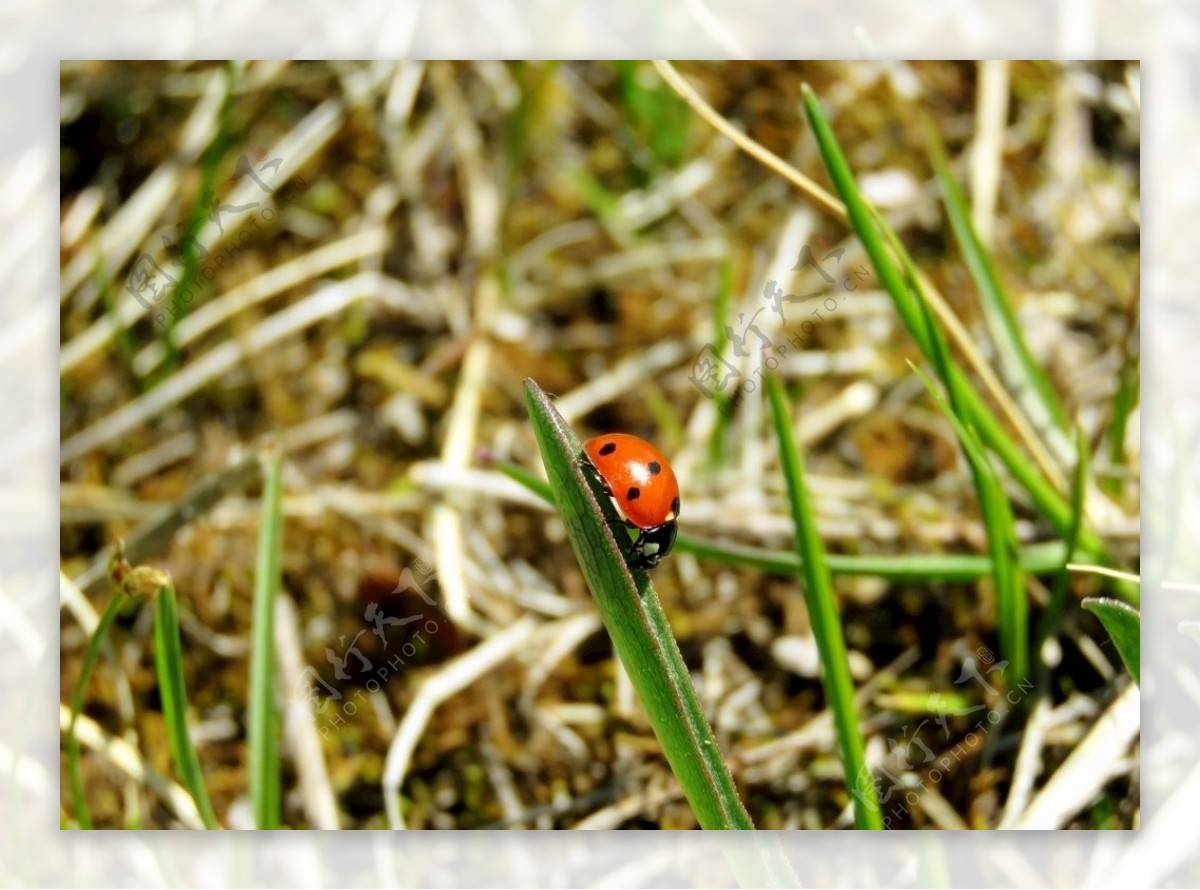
{"type": "Point", "coordinates": [653, 544]}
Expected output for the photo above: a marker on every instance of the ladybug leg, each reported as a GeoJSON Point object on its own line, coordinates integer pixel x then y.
{"type": "Point", "coordinates": [652, 545]}
{"type": "Point", "coordinates": [637, 555]}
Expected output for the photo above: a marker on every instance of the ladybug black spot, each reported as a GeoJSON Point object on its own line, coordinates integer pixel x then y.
{"type": "Point", "coordinates": [633, 494]}
{"type": "Point", "coordinates": [608, 448]}
{"type": "Point", "coordinates": [675, 505]}
{"type": "Point", "coordinates": [655, 468]}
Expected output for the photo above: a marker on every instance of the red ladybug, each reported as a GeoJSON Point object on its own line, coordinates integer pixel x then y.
{"type": "Point", "coordinates": [643, 489]}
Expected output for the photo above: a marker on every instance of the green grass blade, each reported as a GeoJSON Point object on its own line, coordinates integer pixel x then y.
{"type": "Point", "coordinates": [941, 567]}
{"type": "Point", "coordinates": [1062, 581]}
{"type": "Point", "coordinates": [91, 653]}
{"type": "Point", "coordinates": [1036, 559]}
{"type": "Point", "coordinates": [826, 621]}
{"type": "Point", "coordinates": [1124, 626]}
{"type": "Point", "coordinates": [168, 657]}
{"type": "Point", "coordinates": [1021, 370]}
{"type": "Point", "coordinates": [263, 730]}
{"type": "Point", "coordinates": [991, 431]}
{"type": "Point", "coordinates": [1012, 607]}
{"type": "Point", "coordinates": [638, 627]}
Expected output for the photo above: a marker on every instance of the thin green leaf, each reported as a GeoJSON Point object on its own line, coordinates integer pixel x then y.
{"type": "Point", "coordinates": [991, 431]}
{"type": "Point", "coordinates": [1012, 607]}
{"type": "Point", "coordinates": [90, 654]}
{"type": "Point", "coordinates": [638, 627]}
{"type": "Point", "coordinates": [1058, 595]}
{"type": "Point", "coordinates": [263, 730]}
{"type": "Point", "coordinates": [944, 567]}
{"type": "Point", "coordinates": [1021, 370]}
{"type": "Point", "coordinates": [168, 657]}
{"type": "Point", "coordinates": [1124, 626]}
{"type": "Point", "coordinates": [825, 619]}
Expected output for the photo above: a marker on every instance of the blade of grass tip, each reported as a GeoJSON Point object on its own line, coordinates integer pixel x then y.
{"type": "Point", "coordinates": [1045, 497]}
{"type": "Point", "coordinates": [168, 657]}
{"type": "Point", "coordinates": [1012, 607]}
{"type": "Point", "coordinates": [826, 621]}
{"type": "Point", "coordinates": [635, 621]}
{"type": "Point", "coordinates": [268, 578]}
{"type": "Point", "coordinates": [1123, 623]}
{"type": "Point", "coordinates": [1023, 372]}
{"type": "Point", "coordinates": [1037, 559]}
{"type": "Point", "coordinates": [1058, 595]}
{"type": "Point", "coordinates": [90, 654]}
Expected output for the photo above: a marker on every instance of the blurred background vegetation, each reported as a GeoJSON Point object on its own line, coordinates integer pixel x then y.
{"type": "Point", "coordinates": [358, 264]}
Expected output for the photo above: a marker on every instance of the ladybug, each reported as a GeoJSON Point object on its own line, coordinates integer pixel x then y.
{"type": "Point", "coordinates": [642, 486]}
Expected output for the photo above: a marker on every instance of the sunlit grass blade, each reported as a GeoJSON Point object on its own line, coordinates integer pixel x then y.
{"type": "Point", "coordinates": [825, 618]}
{"type": "Point", "coordinates": [635, 621]}
{"type": "Point", "coordinates": [168, 657]}
{"type": "Point", "coordinates": [1123, 623]}
{"type": "Point", "coordinates": [90, 654]}
{"type": "Point", "coordinates": [264, 730]}
{"type": "Point", "coordinates": [1062, 581]}
{"type": "Point", "coordinates": [944, 567]}
{"type": "Point", "coordinates": [1049, 502]}
{"type": "Point", "coordinates": [1021, 370]}
{"type": "Point", "coordinates": [1012, 606]}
